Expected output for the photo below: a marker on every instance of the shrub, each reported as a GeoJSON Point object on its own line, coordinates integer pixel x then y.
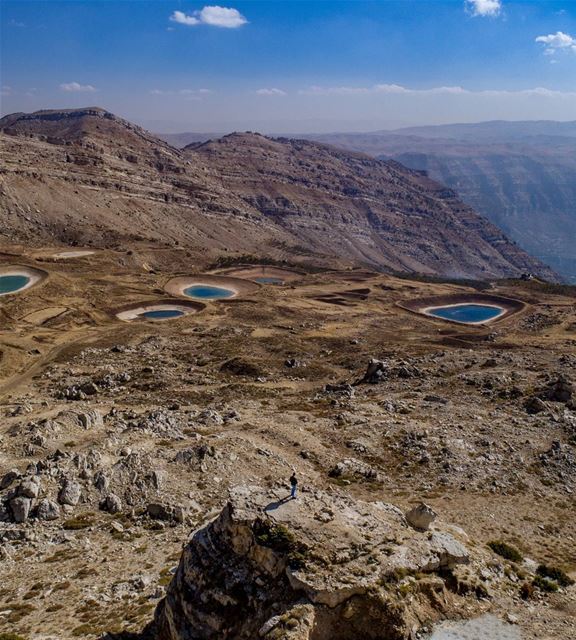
{"type": "Point", "coordinates": [554, 573]}
{"type": "Point", "coordinates": [527, 591]}
{"type": "Point", "coordinates": [544, 584]}
{"type": "Point", "coordinates": [82, 521]}
{"type": "Point", "coordinates": [11, 636]}
{"type": "Point", "coordinates": [280, 539]}
{"type": "Point", "coordinates": [505, 550]}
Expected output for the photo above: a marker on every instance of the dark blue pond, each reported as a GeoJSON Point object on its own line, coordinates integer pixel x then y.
{"type": "Point", "coordinates": [162, 314]}
{"type": "Point", "coordinates": [10, 284]}
{"type": "Point", "coordinates": [269, 280]}
{"type": "Point", "coordinates": [468, 313]}
{"type": "Point", "coordinates": [207, 292]}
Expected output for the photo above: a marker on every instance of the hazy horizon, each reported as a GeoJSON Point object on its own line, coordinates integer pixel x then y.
{"type": "Point", "coordinates": [292, 67]}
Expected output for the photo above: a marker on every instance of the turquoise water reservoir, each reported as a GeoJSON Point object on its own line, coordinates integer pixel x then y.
{"type": "Point", "coordinates": [467, 313]}
{"type": "Point", "coordinates": [207, 292]}
{"type": "Point", "coordinates": [11, 284]}
{"type": "Point", "coordinates": [269, 280]}
{"type": "Point", "coordinates": [162, 314]}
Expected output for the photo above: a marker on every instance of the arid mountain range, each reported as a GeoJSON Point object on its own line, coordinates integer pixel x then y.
{"type": "Point", "coordinates": [88, 177]}
{"type": "Point", "coordinates": [519, 175]}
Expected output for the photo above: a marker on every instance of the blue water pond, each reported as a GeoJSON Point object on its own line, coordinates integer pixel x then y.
{"type": "Point", "coordinates": [269, 280]}
{"type": "Point", "coordinates": [162, 314]}
{"type": "Point", "coordinates": [207, 292]}
{"type": "Point", "coordinates": [467, 313]}
{"type": "Point", "coordinates": [12, 283]}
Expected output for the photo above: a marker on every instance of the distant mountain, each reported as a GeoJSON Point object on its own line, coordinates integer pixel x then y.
{"type": "Point", "coordinates": [520, 175]}
{"type": "Point", "coordinates": [495, 130]}
{"type": "Point", "coordinates": [86, 176]}
{"type": "Point", "coordinates": [181, 140]}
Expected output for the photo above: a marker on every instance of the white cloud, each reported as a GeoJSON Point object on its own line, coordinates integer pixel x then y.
{"type": "Point", "coordinates": [213, 16]}
{"type": "Point", "coordinates": [484, 8]}
{"type": "Point", "coordinates": [181, 18]}
{"type": "Point", "coordinates": [271, 92]}
{"type": "Point", "coordinates": [76, 87]}
{"type": "Point", "coordinates": [6, 91]}
{"type": "Point", "coordinates": [378, 88]}
{"type": "Point", "coordinates": [396, 89]}
{"type": "Point", "coordinates": [181, 92]}
{"type": "Point", "coordinates": [556, 42]}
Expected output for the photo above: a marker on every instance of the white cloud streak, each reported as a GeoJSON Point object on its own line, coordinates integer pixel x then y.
{"type": "Point", "coordinates": [181, 92]}
{"type": "Point", "coordinates": [271, 92]}
{"type": "Point", "coordinates": [76, 87]}
{"type": "Point", "coordinates": [556, 42]}
{"type": "Point", "coordinates": [484, 8]}
{"type": "Point", "coordinates": [396, 89]}
{"type": "Point", "coordinates": [213, 16]}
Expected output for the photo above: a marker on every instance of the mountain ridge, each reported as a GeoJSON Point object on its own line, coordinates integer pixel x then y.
{"type": "Point", "coordinates": [242, 193]}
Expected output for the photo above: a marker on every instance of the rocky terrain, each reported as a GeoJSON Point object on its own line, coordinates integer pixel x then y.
{"type": "Point", "coordinates": [144, 465]}
{"type": "Point", "coordinates": [519, 175]}
{"type": "Point", "coordinates": [88, 177]}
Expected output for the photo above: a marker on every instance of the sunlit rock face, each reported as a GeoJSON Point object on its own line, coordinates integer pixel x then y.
{"type": "Point", "coordinates": [319, 566]}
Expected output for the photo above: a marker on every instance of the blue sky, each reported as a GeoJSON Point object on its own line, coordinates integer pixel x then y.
{"type": "Point", "coordinates": [289, 66]}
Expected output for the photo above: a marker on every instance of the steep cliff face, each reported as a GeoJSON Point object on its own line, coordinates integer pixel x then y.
{"type": "Point", "coordinates": [345, 202]}
{"type": "Point", "coordinates": [316, 568]}
{"type": "Point", "coordinates": [519, 175]}
{"type": "Point", "coordinates": [88, 177]}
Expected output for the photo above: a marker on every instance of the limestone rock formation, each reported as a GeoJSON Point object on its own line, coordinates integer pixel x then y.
{"type": "Point", "coordinates": [321, 566]}
{"type": "Point", "coordinates": [421, 516]}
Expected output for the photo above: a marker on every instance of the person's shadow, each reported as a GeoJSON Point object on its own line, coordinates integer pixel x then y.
{"type": "Point", "coordinates": [275, 505]}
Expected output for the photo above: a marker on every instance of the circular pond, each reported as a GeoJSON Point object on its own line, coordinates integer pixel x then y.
{"type": "Point", "coordinates": [465, 308]}
{"type": "Point", "coordinates": [210, 287]}
{"type": "Point", "coordinates": [158, 311]}
{"type": "Point", "coordinates": [471, 313]}
{"type": "Point", "coordinates": [16, 279]}
{"type": "Point", "coordinates": [208, 292]}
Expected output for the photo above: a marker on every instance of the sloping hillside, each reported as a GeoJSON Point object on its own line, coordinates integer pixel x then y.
{"type": "Point", "coordinates": [87, 176]}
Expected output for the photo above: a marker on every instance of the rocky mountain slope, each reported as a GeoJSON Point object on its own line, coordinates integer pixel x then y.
{"type": "Point", "coordinates": [119, 440]}
{"type": "Point", "coordinates": [87, 176]}
{"type": "Point", "coordinates": [519, 175]}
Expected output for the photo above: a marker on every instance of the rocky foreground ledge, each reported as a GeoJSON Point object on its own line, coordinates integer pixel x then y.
{"type": "Point", "coordinates": [323, 566]}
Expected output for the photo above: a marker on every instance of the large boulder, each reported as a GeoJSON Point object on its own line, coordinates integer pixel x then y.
{"type": "Point", "coordinates": [20, 507]}
{"type": "Point", "coordinates": [70, 493]}
{"type": "Point", "coordinates": [322, 566]}
{"type": "Point", "coordinates": [421, 516]}
{"type": "Point", "coordinates": [29, 488]}
{"type": "Point", "coordinates": [8, 478]}
{"type": "Point", "coordinates": [376, 371]}
{"type": "Point", "coordinates": [47, 510]}
{"type": "Point", "coordinates": [111, 503]}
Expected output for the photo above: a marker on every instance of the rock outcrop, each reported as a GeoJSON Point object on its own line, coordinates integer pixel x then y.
{"type": "Point", "coordinates": [322, 566]}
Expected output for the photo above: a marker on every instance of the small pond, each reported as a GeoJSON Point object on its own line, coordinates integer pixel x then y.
{"type": "Point", "coordinates": [161, 314]}
{"type": "Point", "coordinates": [11, 283]}
{"type": "Point", "coordinates": [208, 292]}
{"type": "Point", "coordinates": [470, 313]}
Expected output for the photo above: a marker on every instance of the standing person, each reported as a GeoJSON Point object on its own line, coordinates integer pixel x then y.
{"type": "Point", "coordinates": [294, 485]}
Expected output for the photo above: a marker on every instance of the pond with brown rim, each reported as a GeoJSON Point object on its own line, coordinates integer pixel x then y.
{"type": "Point", "coordinates": [14, 279]}
{"type": "Point", "coordinates": [159, 310]}
{"type": "Point", "coordinates": [465, 308]}
{"type": "Point", "coordinates": [209, 287]}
